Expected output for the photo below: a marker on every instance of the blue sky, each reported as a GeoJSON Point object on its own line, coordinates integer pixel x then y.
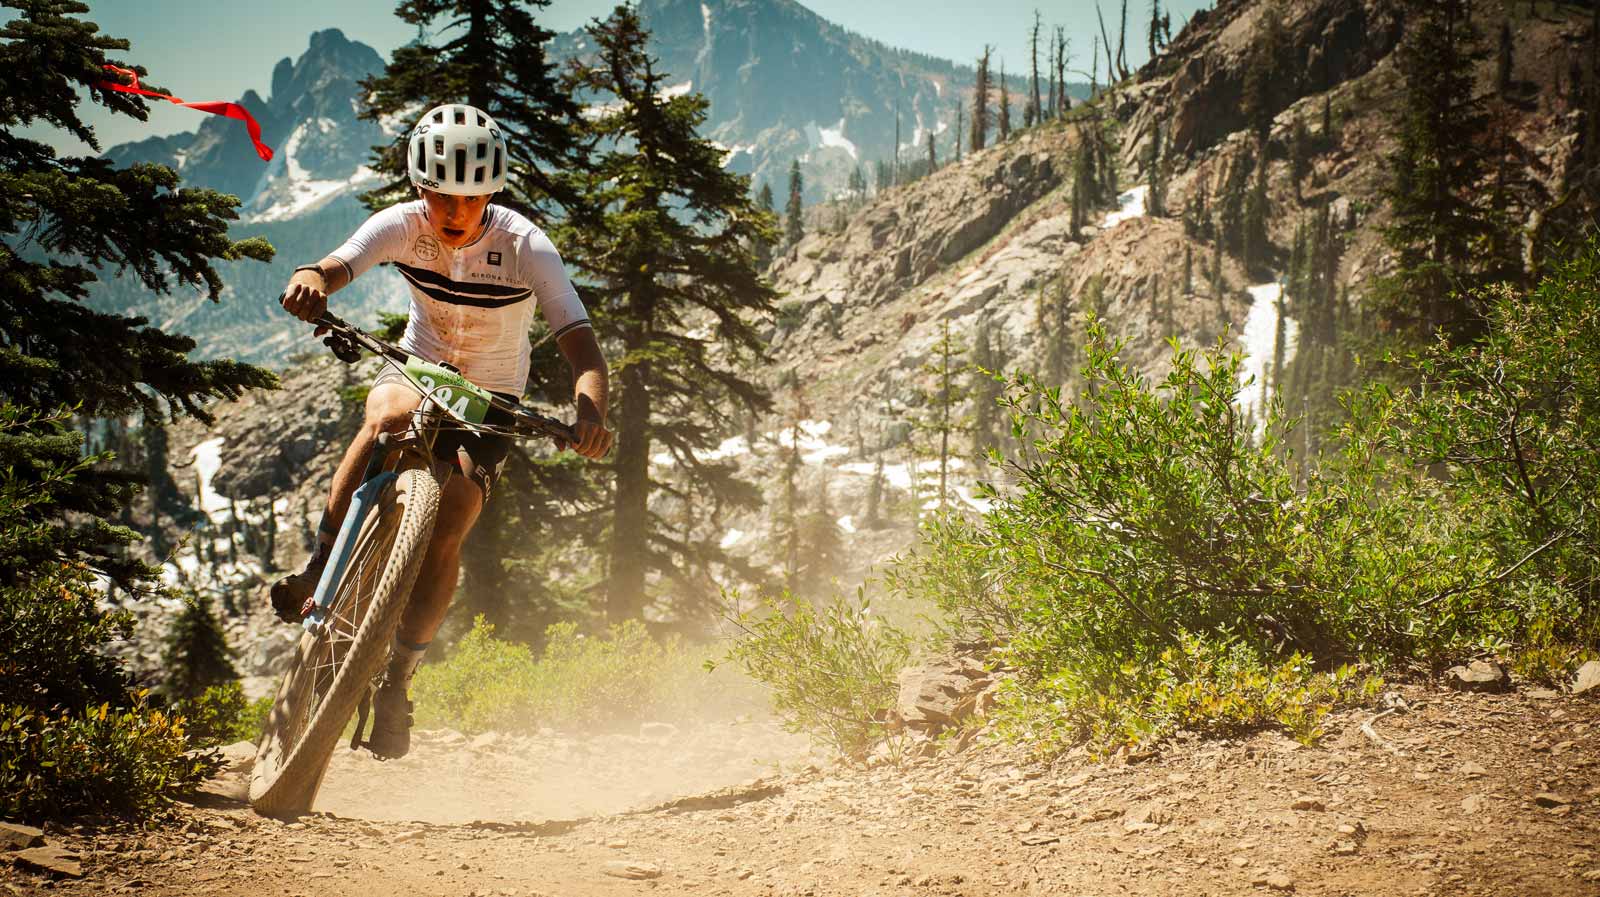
{"type": "Point", "coordinates": [216, 49]}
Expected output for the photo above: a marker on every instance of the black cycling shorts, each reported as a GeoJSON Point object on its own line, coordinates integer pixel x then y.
{"type": "Point", "coordinates": [481, 458]}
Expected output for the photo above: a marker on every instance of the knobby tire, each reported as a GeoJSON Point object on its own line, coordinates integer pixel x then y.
{"type": "Point", "coordinates": [333, 669]}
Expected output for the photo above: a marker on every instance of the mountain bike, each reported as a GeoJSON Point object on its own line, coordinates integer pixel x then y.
{"type": "Point", "coordinates": [371, 568]}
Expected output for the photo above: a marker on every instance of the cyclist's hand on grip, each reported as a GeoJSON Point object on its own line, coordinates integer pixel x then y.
{"type": "Point", "coordinates": [594, 440]}
{"type": "Point", "coordinates": [306, 297]}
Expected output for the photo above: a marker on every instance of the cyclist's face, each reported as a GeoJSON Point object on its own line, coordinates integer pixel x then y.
{"type": "Point", "coordinates": [456, 220]}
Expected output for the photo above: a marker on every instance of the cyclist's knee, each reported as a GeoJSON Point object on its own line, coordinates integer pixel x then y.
{"type": "Point", "coordinates": [389, 409]}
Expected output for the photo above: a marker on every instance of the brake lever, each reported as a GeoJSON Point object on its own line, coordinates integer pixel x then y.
{"type": "Point", "coordinates": [344, 348]}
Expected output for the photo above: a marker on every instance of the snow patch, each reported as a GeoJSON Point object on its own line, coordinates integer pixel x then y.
{"type": "Point", "coordinates": [1130, 205]}
{"type": "Point", "coordinates": [207, 461]}
{"type": "Point", "coordinates": [287, 189]}
{"type": "Point", "coordinates": [1260, 338]}
{"type": "Point", "coordinates": [834, 136]}
{"type": "Point", "coordinates": [731, 538]}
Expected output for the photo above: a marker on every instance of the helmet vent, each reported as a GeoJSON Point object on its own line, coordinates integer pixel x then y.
{"type": "Point", "coordinates": [438, 117]}
{"type": "Point", "coordinates": [438, 171]}
{"type": "Point", "coordinates": [483, 121]}
{"type": "Point", "coordinates": [420, 163]}
{"type": "Point", "coordinates": [438, 146]}
{"type": "Point", "coordinates": [477, 174]}
{"type": "Point", "coordinates": [496, 172]}
{"type": "Point", "coordinates": [461, 116]}
{"type": "Point", "coordinates": [461, 164]}
{"type": "Point", "coordinates": [483, 149]}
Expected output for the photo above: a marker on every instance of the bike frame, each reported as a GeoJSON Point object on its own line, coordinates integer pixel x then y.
{"type": "Point", "coordinates": [346, 342]}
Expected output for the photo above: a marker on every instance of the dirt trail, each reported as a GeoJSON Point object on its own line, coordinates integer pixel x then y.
{"type": "Point", "coordinates": [1465, 795]}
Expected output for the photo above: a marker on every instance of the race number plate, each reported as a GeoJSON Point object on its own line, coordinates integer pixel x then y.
{"type": "Point", "coordinates": [465, 399]}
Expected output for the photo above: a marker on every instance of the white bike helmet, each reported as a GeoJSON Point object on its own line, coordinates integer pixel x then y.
{"type": "Point", "coordinates": [457, 149]}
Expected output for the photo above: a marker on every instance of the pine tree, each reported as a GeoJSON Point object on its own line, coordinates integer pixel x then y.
{"type": "Point", "coordinates": [1256, 247]}
{"type": "Point", "coordinates": [793, 211]}
{"type": "Point", "coordinates": [1155, 32]}
{"type": "Point", "coordinates": [674, 394]}
{"type": "Point", "coordinates": [498, 59]}
{"type": "Point", "coordinates": [1440, 161]}
{"type": "Point", "coordinates": [62, 221]}
{"type": "Point", "coordinates": [1503, 60]}
{"type": "Point", "coordinates": [895, 173]}
{"type": "Point", "coordinates": [957, 135]}
{"type": "Point", "coordinates": [1188, 269]}
{"type": "Point", "coordinates": [980, 103]}
{"type": "Point", "coordinates": [1299, 155]}
{"type": "Point", "coordinates": [1063, 103]}
{"type": "Point", "coordinates": [1005, 106]}
{"type": "Point", "coordinates": [933, 156]}
{"type": "Point", "coordinates": [761, 245]}
{"type": "Point", "coordinates": [1155, 172]}
{"type": "Point", "coordinates": [1033, 112]}
{"type": "Point", "coordinates": [1264, 72]}
{"type": "Point", "coordinates": [195, 655]}
{"type": "Point", "coordinates": [988, 361]}
{"type": "Point", "coordinates": [942, 418]}
{"type": "Point", "coordinates": [1050, 65]}
{"type": "Point", "coordinates": [822, 550]}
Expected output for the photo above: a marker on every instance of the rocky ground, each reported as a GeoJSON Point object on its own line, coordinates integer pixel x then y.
{"type": "Point", "coordinates": [1450, 793]}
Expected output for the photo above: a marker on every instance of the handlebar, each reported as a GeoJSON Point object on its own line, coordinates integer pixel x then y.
{"type": "Point", "coordinates": [348, 341]}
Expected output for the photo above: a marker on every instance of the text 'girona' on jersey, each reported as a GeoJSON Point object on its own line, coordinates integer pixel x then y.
{"type": "Point", "coordinates": [469, 306]}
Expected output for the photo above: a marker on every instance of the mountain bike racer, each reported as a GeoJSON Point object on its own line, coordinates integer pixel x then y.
{"type": "Point", "coordinates": [476, 272]}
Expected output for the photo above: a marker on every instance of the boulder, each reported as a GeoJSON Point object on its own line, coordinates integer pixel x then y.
{"type": "Point", "coordinates": [1478, 676]}
{"type": "Point", "coordinates": [16, 837]}
{"type": "Point", "coordinates": [942, 692]}
{"type": "Point", "coordinates": [1588, 678]}
{"type": "Point", "coordinates": [52, 861]}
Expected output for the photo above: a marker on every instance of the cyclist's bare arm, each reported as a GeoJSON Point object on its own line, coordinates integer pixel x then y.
{"type": "Point", "coordinates": [306, 296]}
{"type": "Point", "coordinates": [591, 388]}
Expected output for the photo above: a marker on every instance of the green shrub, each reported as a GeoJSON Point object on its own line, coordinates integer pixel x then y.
{"type": "Point", "coordinates": [102, 760]}
{"type": "Point", "coordinates": [1159, 566]}
{"type": "Point", "coordinates": [223, 715]}
{"type": "Point", "coordinates": [580, 682]}
{"type": "Point", "coordinates": [831, 669]}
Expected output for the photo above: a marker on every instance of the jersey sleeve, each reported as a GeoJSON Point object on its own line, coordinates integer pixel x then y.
{"type": "Point", "coordinates": [558, 301]}
{"type": "Point", "coordinates": [380, 238]}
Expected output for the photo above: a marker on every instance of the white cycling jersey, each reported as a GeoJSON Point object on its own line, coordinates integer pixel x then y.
{"type": "Point", "coordinates": [469, 306]}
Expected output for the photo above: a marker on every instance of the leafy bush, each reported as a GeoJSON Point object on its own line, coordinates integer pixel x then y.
{"type": "Point", "coordinates": [102, 760]}
{"type": "Point", "coordinates": [580, 682]}
{"type": "Point", "coordinates": [831, 669]}
{"type": "Point", "coordinates": [1159, 566]}
{"type": "Point", "coordinates": [223, 715]}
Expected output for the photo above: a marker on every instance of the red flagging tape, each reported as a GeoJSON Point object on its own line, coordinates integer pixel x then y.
{"type": "Point", "coordinates": [231, 110]}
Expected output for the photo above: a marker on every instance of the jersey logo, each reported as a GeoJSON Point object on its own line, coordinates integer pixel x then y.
{"type": "Point", "coordinates": [426, 248]}
{"type": "Point", "coordinates": [494, 259]}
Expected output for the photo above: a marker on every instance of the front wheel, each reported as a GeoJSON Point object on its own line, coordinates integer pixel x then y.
{"type": "Point", "coordinates": [335, 663]}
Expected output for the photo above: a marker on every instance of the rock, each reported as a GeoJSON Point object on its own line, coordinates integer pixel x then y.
{"type": "Point", "coordinates": [657, 730]}
{"type": "Point", "coordinates": [239, 757]}
{"type": "Point", "coordinates": [1588, 678]}
{"type": "Point", "coordinates": [941, 692]}
{"type": "Point", "coordinates": [16, 837]}
{"type": "Point", "coordinates": [1551, 799]}
{"type": "Point", "coordinates": [1478, 676]}
{"type": "Point", "coordinates": [1473, 803]}
{"type": "Point", "coordinates": [1277, 881]}
{"type": "Point", "coordinates": [1147, 815]}
{"type": "Point", "coordinates": [1472, 770]}
{"type": "Point", "coordinates": [52, 861]}
{"type": "Point", "coordinates": [633, 870]}
{"type": "Point", "coordinates": [1308, 804]}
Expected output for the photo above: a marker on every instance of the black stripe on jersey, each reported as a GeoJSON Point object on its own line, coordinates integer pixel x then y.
{"type": "Point", "coordinates": [455, 298]}
{"type": "Point", "coordinates": [581, 322]}
{"type": "Point", "coordinates": [439, 280]}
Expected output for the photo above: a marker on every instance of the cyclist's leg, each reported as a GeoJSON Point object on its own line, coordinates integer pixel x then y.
{"type": "Point", "coordinates": [459, 506]}
{"type": "Point", "coordinates": [388, 409]}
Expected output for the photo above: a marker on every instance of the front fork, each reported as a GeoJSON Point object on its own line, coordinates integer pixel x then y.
{"type": "Point", "coordinates": [373, 481]}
